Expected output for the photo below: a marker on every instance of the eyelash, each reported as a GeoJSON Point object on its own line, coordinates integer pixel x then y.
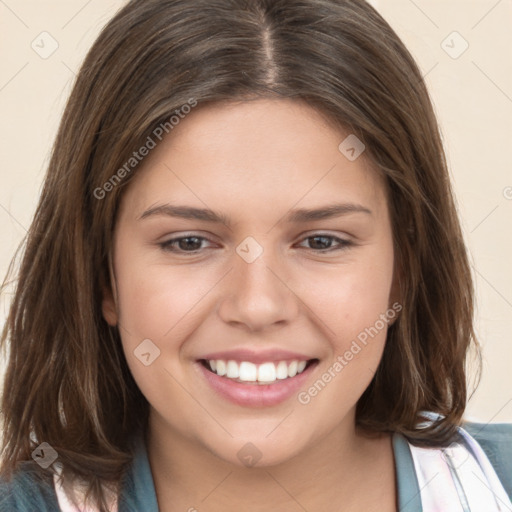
{"type": "Point", "coordinates": [343, 244]}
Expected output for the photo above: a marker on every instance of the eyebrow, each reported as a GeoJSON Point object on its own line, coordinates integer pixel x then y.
{"type": "Point", "coordinates": [293, 216]}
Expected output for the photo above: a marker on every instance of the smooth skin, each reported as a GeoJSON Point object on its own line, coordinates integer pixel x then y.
{"type": "Point", "coordinates": [254, 162]}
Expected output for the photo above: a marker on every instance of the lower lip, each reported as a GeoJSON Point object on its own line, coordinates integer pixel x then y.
{"type": "Point", "coordinates": [257, 395]}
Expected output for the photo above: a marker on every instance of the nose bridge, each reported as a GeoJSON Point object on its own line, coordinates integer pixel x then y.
{"type": "Point", "coordinates": [253, 266]}
{"type": "Point", "coordinates": [258, 295]}
{"type": "Point", "coordinates": [256, 274]}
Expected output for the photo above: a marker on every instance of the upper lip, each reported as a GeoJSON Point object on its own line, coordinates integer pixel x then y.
{"type": "Point", "coordinates": [256, 357]}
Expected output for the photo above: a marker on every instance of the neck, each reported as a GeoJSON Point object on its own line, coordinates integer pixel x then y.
{"type": "Point", "coordinates": [346, 467]}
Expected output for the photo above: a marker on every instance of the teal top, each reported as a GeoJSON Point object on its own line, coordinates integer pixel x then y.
{"type": "Point", "coordinates": [27, 493]}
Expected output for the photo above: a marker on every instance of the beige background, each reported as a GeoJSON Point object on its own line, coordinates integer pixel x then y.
{"type": "Point", "coordinates": [472, 95]}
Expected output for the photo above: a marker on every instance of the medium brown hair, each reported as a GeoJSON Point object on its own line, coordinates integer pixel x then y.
{"type": "Point", "coordinates": [67, 380]}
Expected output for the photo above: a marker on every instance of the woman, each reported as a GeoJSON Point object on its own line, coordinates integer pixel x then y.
{"type": "Point", "coordinates": [308, 348]}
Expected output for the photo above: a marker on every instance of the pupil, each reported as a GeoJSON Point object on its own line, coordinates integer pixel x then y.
{"type": "Point", "coordinates": [324, 238]}
{"type": "Point", "coordinates": [184, 245]}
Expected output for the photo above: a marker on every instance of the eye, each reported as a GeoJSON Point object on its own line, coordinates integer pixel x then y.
{"type": "Point", "coordinates": [192, 244]}
{"type": "Point", "coordinates": [323, 243]}
{"type": "Point", "coordinates": [186, 244]}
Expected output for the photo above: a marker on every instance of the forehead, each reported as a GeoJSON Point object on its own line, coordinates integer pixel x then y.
{"type": "Point", "coordinates": [254, 155]}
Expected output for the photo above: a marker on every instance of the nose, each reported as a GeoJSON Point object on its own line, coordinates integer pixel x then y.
{"type": "Point", "coordinates": [256, 296]}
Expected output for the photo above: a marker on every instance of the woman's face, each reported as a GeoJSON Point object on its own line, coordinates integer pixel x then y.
{"type": "Point", "coordinates": [267, 283]}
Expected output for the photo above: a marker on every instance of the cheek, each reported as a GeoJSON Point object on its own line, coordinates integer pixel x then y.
{"type": "Point", "coordinates": [160, 305]}
{"type": "Point", "coordinates": [152, 300]}
{"type": "Point", "coordinates": [350, 298]}
{"type": "Point", "coordinates": [355, 314]}
{"type": "Point", "coordinates": [352, 303]}
{"type": "Point", "coordinates": [155, 299]}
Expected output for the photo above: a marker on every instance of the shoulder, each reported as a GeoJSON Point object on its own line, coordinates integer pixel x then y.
{"type": "Point", "coordinates": [490, 432]}
{"type": "Point", "coordinates": [496, 441]}
{"type": "Point", "coordinates": [6, 496]}
{"type": "Point", "coordinates": [26, 491]}
{"type": "Point", "coordinates": [494, 438]}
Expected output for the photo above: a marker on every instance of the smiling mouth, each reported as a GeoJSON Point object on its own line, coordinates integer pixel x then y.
{"type": "Point", "coordinates": [245, 372]}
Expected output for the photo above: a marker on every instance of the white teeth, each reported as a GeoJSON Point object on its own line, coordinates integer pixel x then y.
{"type": "Point", "coordinates": [267, 372]}
{"type": "Point", "coordinates": [220, 367]}
{"type": "Point", "coordinates": [246, 371]}
{"type": "Point", "coordinates": [292, 369]}
{"type": "Point", "coordinates": [282, 370]}
{"type": "Point", "coordinates": [232, 370]}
